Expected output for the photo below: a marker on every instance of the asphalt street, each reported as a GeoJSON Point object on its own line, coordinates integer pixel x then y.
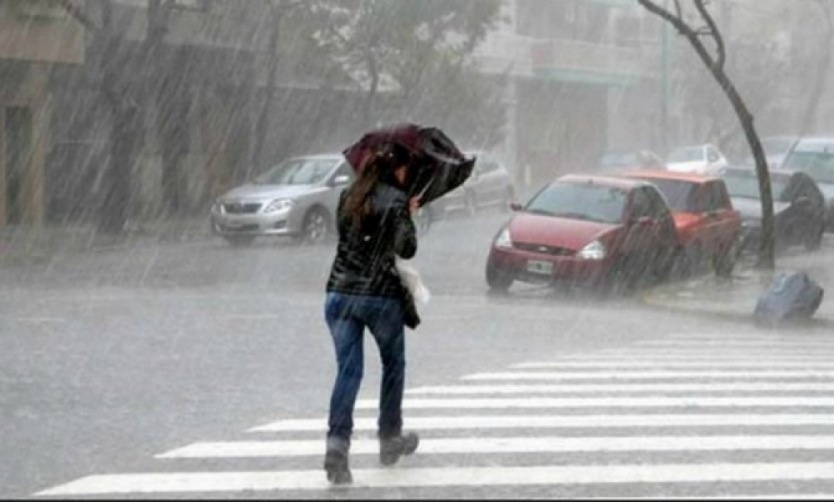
{"type": "Point", "coordinates": [114, 359]}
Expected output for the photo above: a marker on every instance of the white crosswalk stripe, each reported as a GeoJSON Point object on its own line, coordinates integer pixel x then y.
{"type": "Point", "coordinates": [714, 412]}
{"type": "Point", "coordinates": [178, 482]}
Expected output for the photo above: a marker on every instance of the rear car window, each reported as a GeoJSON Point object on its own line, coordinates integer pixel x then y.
{"type": "Point", "coordinates": [679, 195]}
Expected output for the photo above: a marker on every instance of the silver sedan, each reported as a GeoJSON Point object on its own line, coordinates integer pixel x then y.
{"type": "Point", "coordinates": [296, 198]}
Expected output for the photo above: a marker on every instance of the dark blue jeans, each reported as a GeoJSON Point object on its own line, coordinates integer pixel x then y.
{"type": "Point", "coordinates": [347, 316]}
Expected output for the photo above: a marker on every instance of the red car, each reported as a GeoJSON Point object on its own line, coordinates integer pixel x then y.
{"type": "Point", "coordinates": [589, 230]}
{"type": "Point", "coordinates": [708, 227]}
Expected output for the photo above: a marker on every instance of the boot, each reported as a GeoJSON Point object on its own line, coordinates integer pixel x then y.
{"type": "Point", "coordinates": [336, 461]}
{"type": "Point", "coordinates": [391, 449]}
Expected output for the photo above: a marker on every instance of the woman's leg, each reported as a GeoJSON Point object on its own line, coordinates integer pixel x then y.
{"type": "Point", "coordinates": [346, 331]}
{"type": "Point", "coordinates": [386, 326]}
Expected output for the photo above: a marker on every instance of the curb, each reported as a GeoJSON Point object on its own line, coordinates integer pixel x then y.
{"type": "Point", "coordinates": [672, 301]}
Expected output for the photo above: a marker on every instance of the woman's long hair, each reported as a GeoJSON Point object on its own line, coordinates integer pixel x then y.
{"type": "Point", "coordinates": [378, 168]}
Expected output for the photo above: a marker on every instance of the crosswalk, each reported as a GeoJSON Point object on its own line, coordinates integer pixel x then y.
{"type": "Point", "coordinates": [701, 416]}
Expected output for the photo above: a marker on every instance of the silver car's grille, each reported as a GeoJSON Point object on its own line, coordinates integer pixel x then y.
{"type": "Point", "coordinates": [241, 207]}
{"type": "Point", "coordinates": [543, 249]}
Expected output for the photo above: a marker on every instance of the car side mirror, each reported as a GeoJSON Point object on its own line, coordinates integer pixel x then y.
{"type": "Point", "coordinates": [342, 179]}
{"type": "Point", "coordinates": [515, 206]}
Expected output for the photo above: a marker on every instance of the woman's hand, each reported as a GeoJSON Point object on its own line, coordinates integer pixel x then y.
{"type": "Point", "coordinates": [414, 205]}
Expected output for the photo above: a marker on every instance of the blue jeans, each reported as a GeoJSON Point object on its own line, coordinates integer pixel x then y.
{"type": "Point", "coordinates": [347, 316]}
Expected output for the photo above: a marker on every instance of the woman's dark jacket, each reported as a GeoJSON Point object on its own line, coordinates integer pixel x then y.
{"type": "Point", "coordinates": [364, 263]}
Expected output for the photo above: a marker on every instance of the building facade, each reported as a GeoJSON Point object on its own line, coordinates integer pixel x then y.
{"type": "Point", "coordinates": [35, 37]}
{"type": "Point", "coordinates": [585, 79]}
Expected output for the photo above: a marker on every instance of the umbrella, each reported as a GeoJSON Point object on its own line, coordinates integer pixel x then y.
{"type": "Point", "coordinates": [438, 166]}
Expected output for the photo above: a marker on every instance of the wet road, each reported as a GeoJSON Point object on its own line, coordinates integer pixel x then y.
{"type": "Point", "coordinates": [200, 370]}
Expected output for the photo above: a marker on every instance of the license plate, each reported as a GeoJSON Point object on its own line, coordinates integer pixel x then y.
{"type": "Point", "coordinates": [539, 267]}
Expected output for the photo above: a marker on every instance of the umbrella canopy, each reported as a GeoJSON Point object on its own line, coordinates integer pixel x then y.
{"type": "Point", "coordinates": [437, 168]}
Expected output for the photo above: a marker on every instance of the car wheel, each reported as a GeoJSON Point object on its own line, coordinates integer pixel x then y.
{"type": "Point", "coordinates": [239, 240]}
{"type": "Point", "coordinates": [813, 241]}
{"type": "Point", "coordinates": [724, 260]}
{"type": "Point", "coordinates": [316, 227]}
{"type": "Point", "coordinates": [663, 263]}
{"type": "Point", "coordinates": [499, 281]}
{"type": "Point", "coordinates": [692, 260]}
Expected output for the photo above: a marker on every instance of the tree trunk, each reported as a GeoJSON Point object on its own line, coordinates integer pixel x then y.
{"type": "Point", "coordinates": [116, 97]}
{"type": "Point", "coordinates": [766, 256]}
{"type": "Point", "coordinates": [263, 124]}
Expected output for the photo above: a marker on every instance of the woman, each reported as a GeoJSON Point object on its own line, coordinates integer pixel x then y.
{"type": "Point", "coordinates": [364, 290]}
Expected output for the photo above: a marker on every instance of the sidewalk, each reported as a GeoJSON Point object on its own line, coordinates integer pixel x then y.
{"type": "Point", "coordinates": [736, 298]}
{"type": "Point", "coordinates": [34, 244]}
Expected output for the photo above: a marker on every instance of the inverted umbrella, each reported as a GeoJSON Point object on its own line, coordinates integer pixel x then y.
{"type": "Point", "coordinates": [438, 166]}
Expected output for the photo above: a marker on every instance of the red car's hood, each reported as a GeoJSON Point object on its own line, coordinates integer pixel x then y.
{"type": "Point", "coordinates": [558, 232]}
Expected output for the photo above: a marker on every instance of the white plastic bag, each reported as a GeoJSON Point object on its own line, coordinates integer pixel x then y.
{"type": "Point", "coordinates": [411, 279]}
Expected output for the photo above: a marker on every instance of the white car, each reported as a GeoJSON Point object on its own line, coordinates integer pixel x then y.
{"type": "Point", "coordinates": [699, 159]}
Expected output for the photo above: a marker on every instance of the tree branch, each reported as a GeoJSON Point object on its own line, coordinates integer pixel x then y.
{"type": "Point", "coordinates": [713, 29]}
{"type": "Point", "coordinates": [76, 12]}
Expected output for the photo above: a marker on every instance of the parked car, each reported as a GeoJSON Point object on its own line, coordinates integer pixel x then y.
{"type": "Point", "coordinates": [592, 231]}
{"type": "Point", "coordinates": [626, 160]}
{"type": "Point", "coordinates": [815, 157]}
{"type": "Point", "coordinates": [798, 207]}
{"type": "Point", "coordinates": [699, 159]}
{"type": "Point", "coordinates": [297, 198]}
{"type": "Point", "coordinates": [708, 227]}
{"type": "Point", "coordinates": [490, 184]}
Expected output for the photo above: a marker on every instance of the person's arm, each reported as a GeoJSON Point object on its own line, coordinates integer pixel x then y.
{"type": "Point", "coordinates": [339, 209]}
{"type": "Point", "coordinates": [405, 233]}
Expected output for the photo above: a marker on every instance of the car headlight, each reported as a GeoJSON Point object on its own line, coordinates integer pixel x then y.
{"type": "Point", "coordinates": [217, 207]}
{"type": "Point", "coordinates": [593, 251]}
{"type": "Point", "coordinates": [278, 205]}
{"type": "Point", "coordinates": [503, 240]}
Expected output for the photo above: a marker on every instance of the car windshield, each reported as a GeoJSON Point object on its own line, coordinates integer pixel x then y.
{"type": "Point", "coordinates": [746, 184]}
{"type": "Point", "coordinates": [679, 195]}
{"type": "Point", "coordinates": [298, 171]}
{"type": "Point", "coordinates": [580, 201]}
{"type": "Point", "coordinates": [687, 154]}
{"type": "Point", "coordinates": [818, 165]}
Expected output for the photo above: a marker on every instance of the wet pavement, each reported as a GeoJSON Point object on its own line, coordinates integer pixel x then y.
{"type": "Point", "coordinates": [731, 299]}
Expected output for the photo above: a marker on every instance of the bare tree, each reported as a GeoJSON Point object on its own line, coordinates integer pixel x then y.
{"type": "Point", "coordinates": [715, 63]}
{"type": "Point", "coordinates": [121, 105]}
{"type": "Point", "coordinates": [277, 9]}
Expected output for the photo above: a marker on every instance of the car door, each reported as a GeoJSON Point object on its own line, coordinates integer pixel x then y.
{"type": "Point", "coordinates": [727, 220]}
{"type": "Point", "coordinates": [641, 225]}
{"type": "Point", "coordinates": [665, 233]}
